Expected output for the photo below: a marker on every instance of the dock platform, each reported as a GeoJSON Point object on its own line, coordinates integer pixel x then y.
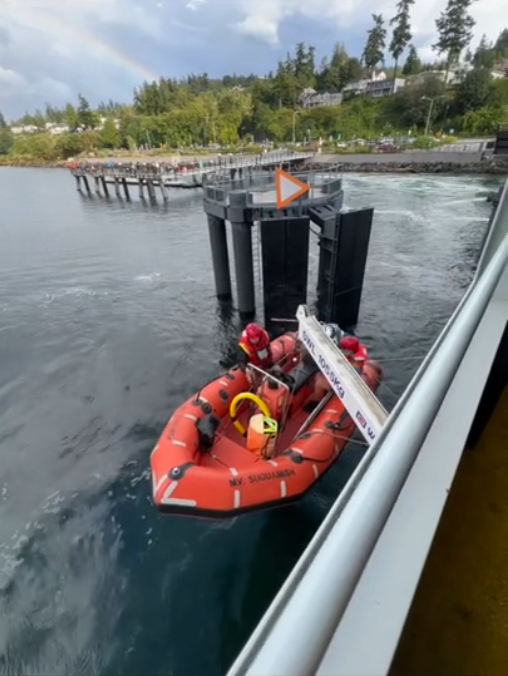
{"type": "Point", "coordinates": [187, 175]}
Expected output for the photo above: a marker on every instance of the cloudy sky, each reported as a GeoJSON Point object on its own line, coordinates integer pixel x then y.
{"type": "Point", "coordinates": [52, 49]}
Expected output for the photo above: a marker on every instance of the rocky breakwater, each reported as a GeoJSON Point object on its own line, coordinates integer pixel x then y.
{"type": "Point", "coordinates": [424, 162]}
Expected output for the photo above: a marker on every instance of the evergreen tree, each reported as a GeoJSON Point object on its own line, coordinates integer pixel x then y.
{"type": "Point", "coordinates": [484, 55]}
{"type": "Point", "coordinates": [71, 117]}
{"type": "Point", "coordinates": [376, 43]}
{"type": "Point", "coordinates": [304, 65]}
{"type": "Point", "coordinates": [401, 35]}
{"type": "Point", "coordinates": [340, 70]}
{"type": "Point", "coordinates": [413, 64]}
{"type": "Point", "coordinates": [455, 31]}
{"type": "Point", "coordinates": [6, 138]}
{"type": "Point", "coordinates": [109, 136]}
{"type": "Point", "coordinates": [474, 92]}
{"type": "Point", "coordinates": [86, 116]}
{"type": "Point", "coordinates": [501, 46]}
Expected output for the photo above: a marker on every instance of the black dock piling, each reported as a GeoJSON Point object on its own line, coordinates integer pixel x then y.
{"type": "Point", "coordinates": [241, 228]}
{"type": "Point", "coordinates": [141, 192]}
{"type": "Point", "coordinates": [117, 187]}
{"type": "Point", "coordinates": [126, 189]}
{"type": "Point", "coordinates": [78, 182]}
{"type": "Point", "coordinates": [104, 186]}
{"type": "Point", "coordinates": [344, 245]}
{"type": "Point", "coordinates": [151, 189]}
{"type": "Point", "coordinates": [97, 185]}
{"type": "Point", "coordinates": [164, 191]}
{"type": "Point", "coordinates": [87, 185]}
{"type": "Point", "coordinates": [285, 254]}
{"type": "Point", "coordinates": [220, 256]}
{"type": "Point", "coordinates": [284, 238]}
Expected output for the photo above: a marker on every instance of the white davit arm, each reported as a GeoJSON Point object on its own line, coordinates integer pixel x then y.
{"type": "Point", "coordinates": [360, 402]}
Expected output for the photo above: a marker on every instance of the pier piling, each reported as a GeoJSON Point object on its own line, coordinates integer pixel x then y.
{"type": "Point", "coordinates": [164, 192]}
{"type": "Point", "coordinates": [151, 189]}
{"type": "Point", "coordinates": [126, 189]}
{"type": "Point", "coordinates": [220, 256]}
{"type": "Point", "coordinates": [284, 245]}
{"type": "Point", "coordinates": [241, 230]}
{"type": "Point", "coordinates": [104, 186]}
{"type": "Point", "coordinates": [344, 245]}
{"type": "Point", "coordinates": [284, 254]}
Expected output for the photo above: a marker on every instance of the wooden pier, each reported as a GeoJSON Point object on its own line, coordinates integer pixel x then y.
{"type": "Point", "coordinates": [148, 176]}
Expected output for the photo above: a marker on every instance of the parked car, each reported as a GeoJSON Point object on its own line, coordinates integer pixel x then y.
{"type": "Point", "coordinates": [387, 148]}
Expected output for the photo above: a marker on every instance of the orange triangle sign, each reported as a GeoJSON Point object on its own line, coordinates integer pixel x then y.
{"type": "Point", "coordinates": [289, 188]}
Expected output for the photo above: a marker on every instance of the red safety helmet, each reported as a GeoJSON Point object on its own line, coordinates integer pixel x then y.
{"type": "Point", "coordinates": [254, 333]}
{"type": "Point", "coordinates": [350, 343]}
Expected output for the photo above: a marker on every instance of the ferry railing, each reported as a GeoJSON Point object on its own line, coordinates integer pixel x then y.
{"type": "Point", "coordinates": [495, 235]}
{"type": "Point", "coordinates": [295, 632]}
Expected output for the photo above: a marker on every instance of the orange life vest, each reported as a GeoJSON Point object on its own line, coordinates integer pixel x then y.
{"type": "Point", "coordinates": [259, 355]}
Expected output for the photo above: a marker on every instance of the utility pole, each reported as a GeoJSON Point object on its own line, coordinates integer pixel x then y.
{"type": "Point", "coordinates": [431, 108]}
{"type": "Point", "coordinates": [295, 113]}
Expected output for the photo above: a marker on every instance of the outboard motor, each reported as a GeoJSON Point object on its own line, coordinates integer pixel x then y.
{"type": "Point", "coordinates": [334, 332]}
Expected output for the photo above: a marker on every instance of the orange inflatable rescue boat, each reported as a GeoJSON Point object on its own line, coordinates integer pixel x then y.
{"type": "Point", "coordinates": [252, 440]}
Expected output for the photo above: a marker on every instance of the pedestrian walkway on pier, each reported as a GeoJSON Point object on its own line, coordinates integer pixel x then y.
{"type": "Point", "coordinates": [183, 174]}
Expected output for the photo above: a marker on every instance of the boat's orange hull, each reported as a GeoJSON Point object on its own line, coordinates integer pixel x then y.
{"type": "Point", "coordinates": [226, 479]}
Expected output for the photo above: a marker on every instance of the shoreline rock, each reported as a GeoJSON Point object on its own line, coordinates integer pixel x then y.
{"type": "Point", "coordinates": [496, 167]}
{"type": "Point", "coordinates": [34, 165]}
{"type": "Point", "coordinates": [379, 165]}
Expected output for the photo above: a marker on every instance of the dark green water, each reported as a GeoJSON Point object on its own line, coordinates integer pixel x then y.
{"type": "Point", "coordinates": [107, 321]}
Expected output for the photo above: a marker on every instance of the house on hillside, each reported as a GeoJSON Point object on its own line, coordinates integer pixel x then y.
{"type": "Point", "coordinates": [383, 86]}
{"type": "Point", "coordinates": [456, 75]}
{"type": "Point", "coordinates": [376, 86]}
{"type": "Point", "coordinates": [500, 69]}
{"type": "Point", "coordinates": [55, 129]}
{"type": "Point", "coordinates": [355, 88]}
{"type": "Point", "coordinates": [310, 99]}
{"type": "Point", "coordinates": [25, 129]}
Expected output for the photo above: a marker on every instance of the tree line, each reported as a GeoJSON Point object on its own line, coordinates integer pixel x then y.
{"type": "Point", "coordinates": [202, 111]}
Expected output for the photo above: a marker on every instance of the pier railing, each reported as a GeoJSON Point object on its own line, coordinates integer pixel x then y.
{"type": "Point", "coordinates": [314, 175]}
{"type": "Point", "coordinates": [300, 626]}
{"type": "Point", "coordinates": [157, 170]}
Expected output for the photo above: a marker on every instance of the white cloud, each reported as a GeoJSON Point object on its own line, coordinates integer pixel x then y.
{"type": "Point", "coordinates": [263, 18]}
{"type": "Point", "coordinates": [10, 80]}
{"type": "Point", "coordinates": [194, 4]}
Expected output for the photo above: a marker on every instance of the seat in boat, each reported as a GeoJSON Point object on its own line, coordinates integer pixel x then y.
{"type": "Point", "coordinates": [301, 375]}
{"type": "Point", "coordinates": [207, 428]}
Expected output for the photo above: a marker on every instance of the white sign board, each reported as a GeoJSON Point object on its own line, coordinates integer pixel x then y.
{"type": "Point", "coordinates": [360, 402]}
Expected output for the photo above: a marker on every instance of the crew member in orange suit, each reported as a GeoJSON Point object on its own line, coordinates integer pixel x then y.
{"type": "Point", "coordinates": [354, 351]}
{"type": "Point", "coordinates": [254, 347]}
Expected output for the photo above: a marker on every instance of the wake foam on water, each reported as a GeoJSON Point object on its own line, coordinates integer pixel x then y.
{"type": "Point", "coordinates": [68, 292]}
{"type": "Point", "coordinates": [148, 278]}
